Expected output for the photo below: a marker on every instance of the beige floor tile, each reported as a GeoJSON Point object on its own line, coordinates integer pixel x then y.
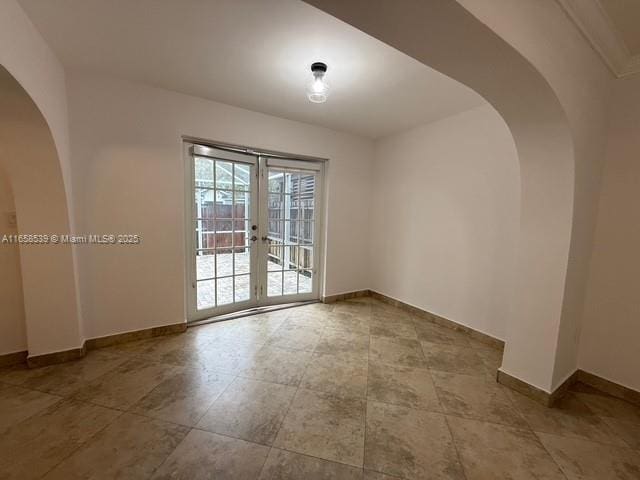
{"type": "Point", "coordinates": [126, 384]}
{"type": "Point", "coordinates": [352, 308]}
{"type": "Point", "coordinates": [309, 318]}
{"type": "Point", "coordinates": [453, 359]}
{"type": "Point", "coordinates": [431, 332]}
{"type": "Point", "coordinates": [217, 330]}
{"type": "Point", "coordinates": [338, 341]}
{"type": "Point", "coordinates": [491, 451]}
{"type": "Point", "coordinates": [31, 448]}
{"type": "Point", "coordinates": [295, 337]}
{"type": "Point", "coordinates": [408, 443]}
{"type": "Point", "coordinates": [569, 417]}
{"type": "Point", "coordinates": [393, 329]}
{"type": "Point", "coordinates": [607, 406]}
{"type": "Point", "coordinates": [342, 374]}
{"type": "Point", "coordinates": [347, 322]}
{"type": "Point", "coordinates": [371, 475]}
{"type": "Point", "coordinates": [318, 307]}
{"type": "Point", "coordinates": [396, 351]}
{"type": "Point", "coordinates": [380, 309]}
{"type": "Point", "coordinates": [185, 397]}
{"type": "Point", "coordinates": [256, 333]}
{"type": "Point", "coordinates": [249, 409]}
{"type": "Point", "coordinates": [130, 348]}
{"type": "Point", "coordinates": [131, 447]}
{"type": "Point", "coordinates": [283, 465]}
{"type": "Point", "coordinates": [585, 460]}
{"type": "Point", "coordinates": [66, 378]}
{"type": "Point", "coordinates": [627, 431]}
{"type": "Point", "coordinates": [325, 426]}
{"type": "Point", "coordinates": [492, 359]}
{"type": "Point", "coordinates": [477, 398]}
{"type": "Point", "coordinates": [204, 456]}
{"type": "Point", "coordinates": [322, 428]}
{"type": "Point", "coordinates": [277, 365]}
{"type": "Point", "coordinates": [222, 356]}
{"type": "Point", "coordinates": [405, 386]}
{"type": "Point", "coordinates": [18, 404]}
{"type": "Point", "coordinates": [387, 313]}
{"type": "Point", "coordinates": [188, 341]}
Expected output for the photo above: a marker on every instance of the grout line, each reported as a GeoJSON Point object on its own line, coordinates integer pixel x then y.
{"type": "Point", "coordinates": [455, 445]}
{"type": "Point", "coordinates": [86, 442]}
{"type": "Point", "coordinates": [446, 421]}
{"type": "Point", "coordinates": [366, 395]}
{"type": "Point", "coordinates": [549, 453]}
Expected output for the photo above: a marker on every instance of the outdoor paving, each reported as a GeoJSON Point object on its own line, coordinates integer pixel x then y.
{"type": "Point", "coordinates": [278, 282]}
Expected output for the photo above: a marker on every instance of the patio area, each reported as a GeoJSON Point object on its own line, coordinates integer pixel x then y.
{"type": "Point", "coordinates": [233, 272]}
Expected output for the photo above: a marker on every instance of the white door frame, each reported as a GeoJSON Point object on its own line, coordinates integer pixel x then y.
{"type": "Point", "coordinates": [259, 195]}
{"type": "Point", "coordinates": [318, 247]}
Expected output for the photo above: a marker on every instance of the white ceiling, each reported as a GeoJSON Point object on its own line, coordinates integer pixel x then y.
{"type": "Point", "coordinates": [253, 54]}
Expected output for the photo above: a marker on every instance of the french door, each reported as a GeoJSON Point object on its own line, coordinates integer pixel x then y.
{"type": "Point", "coordinates": [254, 225]}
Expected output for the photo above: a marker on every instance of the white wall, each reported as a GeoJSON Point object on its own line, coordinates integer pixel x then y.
{"type": "Point", "coordinates": [534, 66]}
{"type": "Point", "coordinates": [129, 178]}
{"type": "Point", "coordinates": [610, 340]}
{"type": "Point", "coordinates": [544, 34]}
{"type": "Point", "coordinates": [13, 336]}
{"type": "Point", "coordinates": [34, 148]}
{"type": "Point", "coordinates": [445, 221]}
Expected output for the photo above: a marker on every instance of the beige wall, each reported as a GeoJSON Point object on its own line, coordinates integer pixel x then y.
{"type": "Point", "coordinates": [129, 178]}
{"type": "Point", "coordinates": [13, 336]}
{"type": "Point", "coordinates": [610, 341]}
{"type": "Point", "coordinates": [446, 216]}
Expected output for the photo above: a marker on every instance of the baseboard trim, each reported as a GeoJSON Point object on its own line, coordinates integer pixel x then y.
{"type": "Point", "coordinates": [523, 387]}
{"type": "Point", "coordinates": [118, 338]}
{"type": "Point", "coordinates": [345, 296]}
{"type": "Point", "coordinates": [541, 396]}
{"type": "Point", "coordinates": [579, 376]}
{"type": "Point", "coordinates": [15, 358]}
{"type": "Point", "coordinates": [609, 387]}
{"type": "Point", "coordinates": [442, 321]}
{"type": "Point", "coordinates": [53, 358]}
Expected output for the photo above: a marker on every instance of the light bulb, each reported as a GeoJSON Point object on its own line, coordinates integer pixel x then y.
{"type": "Point", "coordinates": [318, 89]}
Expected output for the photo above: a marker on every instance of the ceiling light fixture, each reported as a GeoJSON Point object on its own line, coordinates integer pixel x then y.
{"type": "Point", "coordinates": [318, 89]}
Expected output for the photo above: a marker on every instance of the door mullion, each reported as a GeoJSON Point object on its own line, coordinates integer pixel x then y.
{"type": "Point", "coordinates": [262, 229]}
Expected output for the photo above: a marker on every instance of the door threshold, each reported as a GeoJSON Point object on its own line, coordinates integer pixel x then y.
{"type": "Point", "coordinates": [248, 312]}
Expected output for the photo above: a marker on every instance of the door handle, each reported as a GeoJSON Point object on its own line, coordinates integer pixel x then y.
{"type": "Point", "coordinates": [265, 238]}
{"type": "Point", "coordinates": [254, 238]}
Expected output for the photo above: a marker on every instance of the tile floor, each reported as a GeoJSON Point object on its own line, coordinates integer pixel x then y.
{"type": "Point", "coordinates": [353, 390]}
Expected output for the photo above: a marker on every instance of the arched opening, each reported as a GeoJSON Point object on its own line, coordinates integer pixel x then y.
{"type": "Point", "coordinates": [30, 159]}
{"type": "Point", "coordinates": [13, 335]}
{"type": "Point", "coordinates": [446, 37]}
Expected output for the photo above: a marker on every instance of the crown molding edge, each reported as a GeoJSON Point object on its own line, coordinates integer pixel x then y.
{"type": "Point", "coordinates": [596, 26]}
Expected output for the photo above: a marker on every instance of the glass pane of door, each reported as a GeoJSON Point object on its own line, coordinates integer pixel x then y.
{"type": "Point", "coordinates": [224, 214]}
{"type": "Point", "coordinates": [291, 217]}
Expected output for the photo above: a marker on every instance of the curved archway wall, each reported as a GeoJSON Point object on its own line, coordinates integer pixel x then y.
{"type": "Point", "coordinates": [13, 335]}
{"type": "Point", "coordinates": [559, 134]}
{"type": "Point", "coordinates": [34, 148]}
{"type": "Point", "coordinates": [29, 156]}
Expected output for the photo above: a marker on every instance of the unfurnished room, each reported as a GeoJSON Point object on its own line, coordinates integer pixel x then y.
{"type": "Point", "coordinates": [320, 239]}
